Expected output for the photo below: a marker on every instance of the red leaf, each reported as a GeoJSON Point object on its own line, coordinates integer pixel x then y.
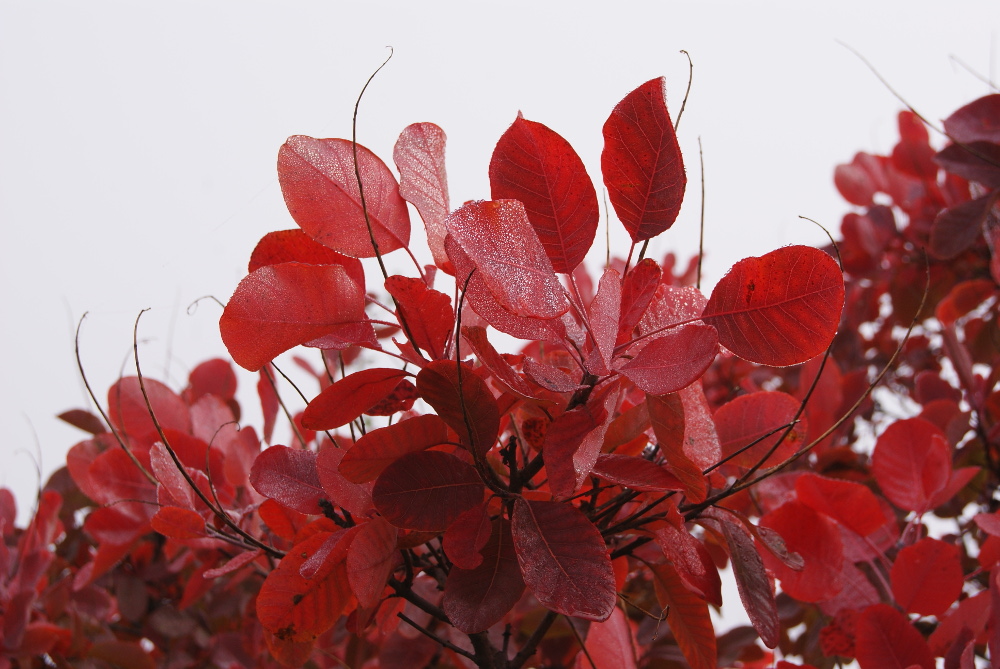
{"type": "Point", "coordinates": [666, 415]}
{"type": "Point", "coordinates": [927, 577]}
{"type": "Point", "coordinates": [693, 563]}
{"type": "Point", "coordinates": [269, 404]}
{"type": "Point", "coordinates": [476, 599]}
{"type": "Point", "coordinates": [294, 608]}
{"type": "Point", "coordinates": [563, 559]}
{"type": "Point", "coordinates": [989, 523]}
{"type": "Point", "coordinates": [749, 417]}
{"type": "Point", "coordinates": [379, 448]}
{"type": "Point", "coordinates": [357, 499]}
{"type": "Point", "coordinates": [780, 309]}
{"type": "Point", "coordinates": [481, 301]}
{"type": "Point", "coordinates": [636, 473]}
{"type": "Point", "coordinates": [535, 165]}
{"type": "Point", "coordinates": [563, 438]}
{"type": "Point", "coordinates": [756, 591]}
{"type": "Point", "coordinates": [604, 312]}
{"type": "Point", "coordinates": [638, 288]}
{"type": "Point", "coordinates": [318, 181]}
{"type": "Point", "coordinates": [851, 504]}
{"type": "Point", "coordinates": [550, 377]}
{"type": "Point", "coordinates": [284, 246]}
{"type": "Point", "coordinates": [674, 360]}
{"type": "Point", "coordinates": [84, 420]}
{"type": "Point", "coordinates": [419, 157]}
{"type": "Point", "coordinates": [912, 463]}
{"type": "Point", "coordinates": [117, 481]}
{"type": "Point", "coordinates": [281, 306]}
{"type": "Point", "coordinates": [464, 539]}
{"type": "Point", "coordinates": [957, 228]}
{"type": "Point", "coordinates": [426, 312]}
{"type": "Point", "coordinates": [817, 540]}
{"type": "Point", "coordinates": [351, 396]}
{"type": "Point", "coordinates": [609, 644]}
{"type": "Point", "coordinates": [289, 476]}
{"type": "Point", "coordinates": [473, 407]}
{"type": "Point", "coordinates": [488, 356]}
{"type": "Point", "coordinates": [427, 491]}
{"type": "Point", "coordinates": [502, 246]}
{"type": "Point", "coordinates": [641, 162]}
{"type": "Point", "coordinates": [129, 414]}
{"type": "Point", "coordinates": [239, 561]}
{"type": "Point", "coordinates": [976, 121]}
{"type": "Point", "coordinates": [884, 639]}
{"type": "Point", "coordinates": [688, 617]}
{"type": "Point", "coordinates": [974, 161]}
{"type": "Point", "coordinates": [370, 561]}
{"type": "Point", "coordinates": [178, 523]}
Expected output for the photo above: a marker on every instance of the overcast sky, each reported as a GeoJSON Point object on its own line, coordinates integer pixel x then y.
{"type": "Point", "coordinates": [138, 141]}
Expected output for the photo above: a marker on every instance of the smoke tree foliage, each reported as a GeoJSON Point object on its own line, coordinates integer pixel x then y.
{"type": "Point", "coordinates": [444, 504]}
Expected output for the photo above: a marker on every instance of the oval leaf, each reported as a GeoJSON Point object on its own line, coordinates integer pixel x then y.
{"type": "Point", "coordinates": [673, 361]}
{"type": "Point", "coordinates": [289, 476]}
{"type": "Point", "coordinates": [885, 639]}
{"type": "Point", "coordinates": [635, 473]}
{"type": "Point", "coordinates": [423, 181]}
{"type": "Point", "coordinates": [912, 463]}
{"type": "Point", "coordinates": [427, 491]}
{"type": "Point", "coordinates": [474, 407]}
{"type": "Point", "coordinates": [377, 449]}
{"type": "Point", "coordinates": [927, 577]}
{"type": "Point", "coordinates": [750, 417]}
{"type": "Point", "coordinates": [284, 246]}
{"type": "Point", "coordinates": [780, 309]}
{"type": "Point", "coordinates": [348, 398]}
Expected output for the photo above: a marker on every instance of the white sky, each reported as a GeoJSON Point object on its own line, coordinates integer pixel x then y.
{"type": "Point", "coordinates": [138, 141]}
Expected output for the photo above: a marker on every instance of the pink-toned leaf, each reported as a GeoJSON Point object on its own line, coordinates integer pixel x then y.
{"type": "Point", "coordinates": [370, 561]}
{"type": "Point", "coordinates": [423, 181]}
{"type": "Point", "coordinates": [749, 417]}
{"type": "Point", "coordinates": [178, 523]}
{"type": "Point", "coordinates": [281, 306]}
{"type": "Point", "coordinates": [674, 360]}
{"type": "Point", "coordinates": [320, 187]}
{"type": "Point", "coordinates": [780, 309]}
{"type": "Point", "coordinates": [356, 498]}
{"type": "Point", "coordinates": [609, 644]}
{"type": "Point", "coordinates": [976, 121]}
{"type": "Point", "coordinates": [116, 479]}
{"type": "Point", "coordinates": [927, 577]}
{"type": "Point", "coordinates": [426, 491]}
{"type": "Point", "coordinates": [172, 482]}
{"type": "Point", "coordinates": [885, 639]}
{"type": "Point", "coordinates": [351, 396]}
{"type": "Point", "coordinates": [756, 591]}
{"type": "Point", "coordinates": [636, 473]}
{"type": "Point", "coordinates": [502, 246]}
{"type": "Point", "coordinates": [638, 288]}
{"type": "Point", "coordinates": [469, 409]}
{"type": "Point", "coordinates": [817, 540]}
{"type": "Point", "coordinates": [129, 414]}
{"type": "Point", "coordinates": [550, 377]}
{"type": "Point", "coordinates": [912, 463]}
{"type": "Point", "coordinates": [604, 312]}
{"type": "Point", "coordinates": [377, 449]}
{"type": "Point", "coordinates": [289, 476]}
{"type": "Point", "coordinates": [563, 559]}
{"type": "Point", "coordinates": [535, 165]}
{"type": "Point", "coordinates": [284, 246]}
{"type": "Point", "coordinates": [641, 162]}
{"type": "Point", "coordinates": [238, 562]}
{"type": "Point", "coordinates": [483, 303]}
{"type": "Point", "coordinates": [476, 599]}
{"type": "Point", "coordinates": [851, 504]}
{"type": "Point", "coordinates": [464, 539]}
{"type": "Point", "coordinates": [572, 443]}
{"type": "Point", "coordinates": [500, 368]}
{"type": "Point", "coordinates": [989, 523]}
{"type": "Point", "coordinates": [666, 415]}
{"type": "Point", "coordinates": [427, 313]}
{"type": "Point", "coordinates": [692, 562]}
{"type": "Point", "coordinates": [688, 617]}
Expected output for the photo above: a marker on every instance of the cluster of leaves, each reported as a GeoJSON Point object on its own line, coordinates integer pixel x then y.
{"type": "Point", "coordinates": [570, 505]}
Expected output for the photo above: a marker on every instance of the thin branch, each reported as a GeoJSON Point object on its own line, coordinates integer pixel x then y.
{"type": "Point", "coordinates": [687, 92]}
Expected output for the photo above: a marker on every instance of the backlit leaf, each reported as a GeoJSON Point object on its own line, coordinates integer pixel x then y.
{"type": "Point", "coordinates": [851, 504]}
{"type": "Point", "coordinates": [129, 414]}
{"type": "Point", "coordinates": [636, 473]}
{"type": "Point", "coordinates": [563, 559]}
{"type": "Point", "coordinates": [688, 617]}
{"type": "Point", "coordinates": [427, 491]}
{"type": "Point", "coordinates": [780, 309]}
{"type": "Point", "coordinates": [473, 408]}
{"type": "Point", "coordinates": [535, 165]}
{"type": "Point", "coordinates": [476, 599]}
{"type": "Point", "coordinates": [692, 562]}
{"type": "Point", "coordinates": [284, 246]}
{"type": "Point", "coordinates": [666, 415]}
{"type": "Point", "coordinates": [609, 644]}
{"type": "Point", "coordinates": [927, 577]}
{"type": "Point", "coordinates": [817, 541]}
{"type": "Point", "coordinates": [351, 396]}
{"type": "Point", "coordinates": [281, 306]}
{"type": "Point", "coordinates": [912, 463]}
{"type": "Point", "coordinates": [641, 162]}
{"type": "Point", "coordinates": [427, 313]}
{"type": "Point", "coordinates": [423, 181]}
{"type": "Point", "coordinates": [674, 360]}
{"type": "Point", "coordinates": [378, 448]}
{"type": "Point", "coordinates": [749, 417]}
{"type": "Point", "coordinates": [320, 187]}
{"type": "Point", "coordinates": [178, 523]}
{"type": "Point", "coordinates": [638, 288]}
{"type": "Point", "coordinates": [885, 639]}
{"type": "Point", "coordinates": [753, 584]}
{"type": "Point", "coordinates": [289, 476]}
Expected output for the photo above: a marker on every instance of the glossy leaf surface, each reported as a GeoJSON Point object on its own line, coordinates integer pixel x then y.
{"type": "Point", "coordinates": [423, 181]}
{"type": "Point", "coordinates": [674, 360]}
{"type": "Point", "coordinates": [351, 396]}
{"type": "Point", "coordinates": [289, 476]}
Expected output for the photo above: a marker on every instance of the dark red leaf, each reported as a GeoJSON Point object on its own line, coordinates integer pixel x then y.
{"type": "Point", "coordinates": [855, 182]}
{"type": "Point", "coordinates": [572, 443]}
{"type": "Point", "coordinates": [750, 417]}
{"type": "Point", "coordinates": [289, 476]}
{"type": "Point", "coordinates": [269, 404]}
{"type": "Point", "coordinates": [666, 415]}
{"type": "Point", "coordinates": [927, 577]}
{"type": "Point", "coordinates": [817, 540]}
{"type": "Point", "coordinates": [974, 161]}
{"type": "Point", "coordinates": [976, 121]}
{"type": "Point", "coordinates": [693, 563]}
{"type": "Point", "coordinates": [688, 617]}
{"type": "Point", "coordinates": [552, 378]}
{"type": "Point", "coordinates": [535, 165]}
{"type": "Point", "coordinates": [957, 228]}
{"type": "Point", "coordinates": [674, 360]}
{"type": "Point", "coordinates": [851, 504]}
{"type": "Point", "coordinates": [500, 368]}
{"type": "Point", "coordinates": [471, 408]}
{"type": "Point", "coordinates": [756, 591]}
{"type": "Point", "coordinates": [636, 473]}
{"type": "Point", "coordinates": [84, 420]}
{"type": "Point", "coordinates": [377, 449]}
{"type": "Point", "coordinates": [912, 463]}
{"type": "Point", "coordinates": [476, 599]}
{"type": "Point", "coordinates": [427, 313]}
{"type": "Point", "coordinates": [318, 181]}
{"type": "Point", "coordinates": [357, 499]}
{"type": "Point", "coordinates": [427, 491]}
{"type": "Point", "coordinates": [281, 306]}
{"type": "Point", "coordinates": [638, 288]}
{"type": "Point", "coordinates": [284, 246]}
{"type": "Point", "coordinates": [351, 396]}
{"type": "Point", "coordinates": [885, 640]}
{"type": "Point", "coordinates": [641, 162]}
{"type": "Point", "coordinates": [423, 181]}
{"type": "Point", "coordinates": [780, 309]}
{"type": "Point", "coordinates": [563, 559]}
{"type": "Point", "coordinates": [604, 312]}
{"type": "Point", "coordinates": [464, 539]}
{"type": "Point", "coordinates": [370, 561]}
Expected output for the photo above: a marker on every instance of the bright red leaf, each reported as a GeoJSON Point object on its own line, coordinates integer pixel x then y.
{"type": "Point", "coordinates": [912, 463]}
{"type": "Point", "coordinates": [351, 396]}
{"type": "Point", "coordinates": [370, 561]}
{"type": "Point", "coordinates": [284, 246]}
{"type": "Point", "coordinates": [535, 165]}
{"type": "Point", "coordinates": [674, 360]}
{"type": "Point", "coordinates": [426, 491]}
{"type": "Point", "coordinates": [129, 414]}
{"type": "Point", "coordinates": [927, 577]}
{"type": "Point", "coordinates": [851, 504]}
{"type": "Point", "coordinates": [666, 415]}
{"type": "Point", "coordinates": [638, 288]}
{"type": "Point", "coordinates": [817, 540]}
{"type": "Point", "coordinates": [749, 417]}
{"type": "Point", "coordinates": [320, 186]}
{"type": "Point", "coordinates": [563, 559]}
{"type": "Point", "coordinates": [688, 617]}
{"type": "Point", "coordinates": [378, 448]}
{"type": "Point", "coordinates": [178, 523]}
{"type": "Point", "coordinates": [609, 644]}
{"type": "Point", "coordinates": [289, 476]}
{"type": "Point", "coordinates": [885, 639]}
{"type": "Point", "coordinates": [427, 313]}
{"type": "Point", "coordinates": [641, 162]}
{"type": "Point", "coordinates": [780, 309]}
